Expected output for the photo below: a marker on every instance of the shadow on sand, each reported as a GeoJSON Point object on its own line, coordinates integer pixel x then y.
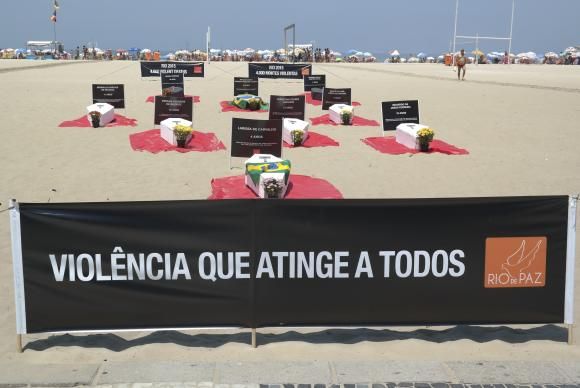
{"type": "Point", "coordinates": [328, 336]}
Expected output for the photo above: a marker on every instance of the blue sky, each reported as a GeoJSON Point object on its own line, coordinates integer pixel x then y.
{"type": "Point", "coordinates": [367, 25]}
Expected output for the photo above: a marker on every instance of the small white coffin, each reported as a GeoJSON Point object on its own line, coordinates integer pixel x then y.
{"type": "Point", "coordinates": [335, 111]}
{"type": "Point", "coordinates": [259, 187]}
{"type": "Point", "coordinates": [406, 134]}
{"type": "Point", "coordinates": [107, 112]}
{"type": "Point", "coordinates": [167, 127]}
{"type": "Point", "coordinates": [291, 125]}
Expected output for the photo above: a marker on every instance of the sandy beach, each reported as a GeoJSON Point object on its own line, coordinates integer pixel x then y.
{"type": "Point", "coordinates": [519, 123]}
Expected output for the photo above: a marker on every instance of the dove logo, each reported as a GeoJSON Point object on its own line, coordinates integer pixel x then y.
{"type": "Point", "coordinates": [515, 262]}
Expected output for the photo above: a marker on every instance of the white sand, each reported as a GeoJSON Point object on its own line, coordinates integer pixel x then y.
{"type": "Point", "coordinates": [520, 124]}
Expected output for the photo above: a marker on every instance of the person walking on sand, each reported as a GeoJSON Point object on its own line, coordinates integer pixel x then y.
{"type": "Point", "coordinates": [461, 61]}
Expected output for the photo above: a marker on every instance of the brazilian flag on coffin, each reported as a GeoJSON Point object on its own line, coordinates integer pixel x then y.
{"type": "Point", "coordinates": [254, 170]}
{"type": "Point", "coordinates": [249, 102]}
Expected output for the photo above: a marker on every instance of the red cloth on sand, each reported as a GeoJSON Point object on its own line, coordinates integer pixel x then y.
{"type": "Point", "coordinates": [151, 141]}
{"type": "Point", "coordinates": [83, 122]}
{"type": "Point", "coordinates": [388, 145]}
{"type": "Point", "coordinates": [315, 140]}
{"type": "Point", "coordinates": [357, 121]}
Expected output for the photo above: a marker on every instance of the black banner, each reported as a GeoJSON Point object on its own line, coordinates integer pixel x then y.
{"type": "Point", "coordinates": [173, 107]}
{"type": "Point", "coordinates": [290, 107]}
{"type": "Point", "coordinates": [399, 112]}
{"type": "Point", "coordinates": [172, 85]}
{"type": "Point", "coordinates": [251, 137]}
{"type": "Point", "coordinates": [113, 94]}
{"type": "Point", "coordinates": [279, 70]}
{"type": "Point", "coordinates": [335, 96]}
{"type": "Point", "coordinates": [104, 266]}
{"type": "Point", "coordinates": [188, 69]}
{"type": "Point", "coordinates": [314, 81]}
{"type": "Point", "coordinates": [244, 85]}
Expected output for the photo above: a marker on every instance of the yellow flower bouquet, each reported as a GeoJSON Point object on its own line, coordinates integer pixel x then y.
{"type": "Point", "coordinates": [424, 137]}
{"type": "Point", "coordinates": [182, 133]}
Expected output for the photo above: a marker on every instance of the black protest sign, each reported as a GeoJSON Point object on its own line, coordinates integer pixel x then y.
{"type": "Point", "coordinates": [113, 94]}
{"type": "Point", "coordinates": [251, 137]}
{"type": "Point", "coordinates": [399, 112]}
{"type": "Point", "coordinates": [279, 70]}
{"type": "Point", "coordinates": [156, 68]}
{"type": "Point", "coordinates": [314, 81]}
{"type": "Point", "coordinates": [316, 93]}
{"type": "Point", "coordinates": [289, 107]}
{"type": "Point", "coordinates": [172, 85]}
{"type": "Point", "coordinates": [127, 265]}
{"type": "Point", "coordinates": [173, 108]}
{"type": "Point", "coordinates": [244, 85]}
{"type": "Point", "coordinates": [335, 96]}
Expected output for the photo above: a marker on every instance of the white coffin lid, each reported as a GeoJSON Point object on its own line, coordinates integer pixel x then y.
{"type": "Point", "coordinates": [101, 107]}
{"type": "Point", "coordinates": [172, 122]}
{"type": "Point", "coordinates": [263, 158]}
{"type": "Point", "coordinates": [410, 129]}
{"type": "Point", "coordinates": [294, 124]}
{"type": "Point", "coordinates": [340, 107]}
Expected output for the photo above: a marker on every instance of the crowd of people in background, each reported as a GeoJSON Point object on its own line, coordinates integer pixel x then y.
{"type": "Point", "coordinates": [306, 53]}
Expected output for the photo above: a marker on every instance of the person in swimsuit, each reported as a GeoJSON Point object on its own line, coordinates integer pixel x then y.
{"type": "Point", "coordinates": [461, 61]}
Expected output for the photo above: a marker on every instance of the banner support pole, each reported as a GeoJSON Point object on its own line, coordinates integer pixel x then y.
{"type": "Point", "coordinates": [254, 341]}
{"type": "Point", "coordinates": [570, 334]}
{"type": "Point", "coordinates": [570, 264]}
{"type": "Point", "coordinates": [19, 299]}
{"type": "Point", "coordinates": [19, 343]}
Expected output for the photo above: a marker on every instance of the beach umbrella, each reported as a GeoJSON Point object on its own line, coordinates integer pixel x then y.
{"type": "Point", "coordinates": [413, 60]}
{"type": "Point", "coordinates": [352, 52]}
{"type": "Point", "coordinates": [403, 60]}
{"type": "Point", "coordinates": [551, 54]}
{"type": "Point", "coordinates": [395, 53]}
{"type": "Point", "coordinates": [215, 51]}
{"type": "Point", "coordinates": [477, 52]}
{"type": "Point", "coordinates": [367, 54]}
{"type": "Point", "coordinates": [570, 50]}
{"type": "Point", "coordinates": [145, 51]}
{"type": "Point", "coordinates": [432, 59]}
{"type": "Point", "coordinates": [421, 55]}
{"type": "Point", "coordinates": [336, 53]}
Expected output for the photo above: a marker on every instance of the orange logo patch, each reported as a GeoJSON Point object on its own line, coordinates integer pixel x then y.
{"type": "Point", "coordinates": [515, 262]}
